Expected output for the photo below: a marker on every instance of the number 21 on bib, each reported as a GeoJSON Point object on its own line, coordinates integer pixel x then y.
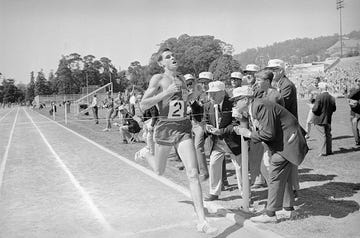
{"type": "Point", "coordinates": [176, 109]}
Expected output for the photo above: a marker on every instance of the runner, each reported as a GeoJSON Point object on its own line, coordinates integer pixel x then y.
{"type": "Point", "coordinates": [169, 91]}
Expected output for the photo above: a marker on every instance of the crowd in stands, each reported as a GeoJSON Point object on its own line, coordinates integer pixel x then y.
{"type": "Point", "coordinates": [340, 79]}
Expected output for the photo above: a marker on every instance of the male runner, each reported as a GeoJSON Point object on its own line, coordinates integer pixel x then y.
{"type": "Point", "coordinates": [169, 91]}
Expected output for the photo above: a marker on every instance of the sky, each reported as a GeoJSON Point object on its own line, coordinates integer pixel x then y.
{"type": "Point", "coordinates": [34, 34]}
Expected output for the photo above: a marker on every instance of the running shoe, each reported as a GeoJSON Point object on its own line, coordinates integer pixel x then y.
{"type": "Point", "coordinates": [106, 129]}
{"type": "Point", "coordinates": [206, 228]}
{"type": "Point", "coordinates": [139, 155]}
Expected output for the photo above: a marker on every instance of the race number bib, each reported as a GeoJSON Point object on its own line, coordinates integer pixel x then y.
{"type": "Point", "coordinates": [176, 109]}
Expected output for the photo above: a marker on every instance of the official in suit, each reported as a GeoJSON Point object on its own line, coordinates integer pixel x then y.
{"type": "Point", "coordinates": [287, 90]}
{"type": "Point", "coordinates": [219, 125]}
{"type": "Point", "coordinates": [265, 91]}
{"type": "Point", "coordinates": [323, 109]}
{"type": "Point", "coordinates": [281, 132]}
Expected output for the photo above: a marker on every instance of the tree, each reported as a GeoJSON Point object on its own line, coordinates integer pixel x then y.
{"type": "Point", "coordinates": [9, 91]}
{"type": "Point", "coordinates": [20, 92]}
{"type": "Point", "coordinates": [138, 75]}
{"type": "Point", "coordinates": [30, 90]}
{"type": "Point", "coordinates": [193, 53]}
{"type": "Point", "coordinates": [64, 81]}
{"type": "Point", "coordinates": [41, 85]}
{"type": "Point", "coordinates": [223, 66]}
{"type": "Point", "coordinates": [91, 71]}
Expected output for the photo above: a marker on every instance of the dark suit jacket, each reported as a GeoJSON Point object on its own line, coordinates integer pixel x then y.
{"type": "Point", "coordinates": [279, 129]}
{"type": "Point", "coordinates": [288, 92]}
{"type": "Point", "coordinates": [226, 124]}
{"type": "Point", "coordinates": [323, 109]}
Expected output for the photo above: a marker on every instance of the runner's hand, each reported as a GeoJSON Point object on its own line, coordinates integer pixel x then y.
{"type": "Point", "coordinates": [173, 88]}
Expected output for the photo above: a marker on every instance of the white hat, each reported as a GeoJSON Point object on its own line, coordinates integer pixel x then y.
{"type": "Point", "coordinates": [206, 75]}
{"type": "Point", "coordinates": [252, 68]}
{"type": "Point", "coordinates": [323, 85]}
{"type": "Point", "coordinates": [242, 91]}
{"type": "Point", "coordinates": [188, 77]}
{"type": "Point", "coordinates": [276, 63]}
{"type": "Point", "coordinates": [236, 75]}
{"type": "Point", "coordinates": [216, 86]}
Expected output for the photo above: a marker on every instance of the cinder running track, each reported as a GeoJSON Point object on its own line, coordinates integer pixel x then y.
{"type": "Point", "coordinates": [56, 183]}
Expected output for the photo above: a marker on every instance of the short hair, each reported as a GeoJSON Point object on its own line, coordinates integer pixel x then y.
{"type": "Point", "coordinates": [265, 74]}
{"type": "Point", "coordinates": [160, 54]}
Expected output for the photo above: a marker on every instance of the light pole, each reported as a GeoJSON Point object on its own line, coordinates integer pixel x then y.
{"type": "Point", "coordinates": [339, 6]}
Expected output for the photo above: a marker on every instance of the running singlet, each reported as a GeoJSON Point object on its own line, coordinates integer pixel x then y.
{"type": "Point", "coordinates": [174, 108]}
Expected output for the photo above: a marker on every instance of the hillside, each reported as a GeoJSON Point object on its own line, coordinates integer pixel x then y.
{"type": "Point", "coordinates": [304, 50]}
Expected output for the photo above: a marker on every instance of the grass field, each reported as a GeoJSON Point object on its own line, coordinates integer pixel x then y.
{"type": "Point", "coordinates": [329, 198]}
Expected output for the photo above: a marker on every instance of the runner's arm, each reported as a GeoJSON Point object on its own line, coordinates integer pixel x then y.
{"type": "Point", "coordinates": [151, 96]}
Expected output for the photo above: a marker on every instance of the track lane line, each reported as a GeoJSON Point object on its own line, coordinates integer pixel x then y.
{"type": "Point", "coordinates": [98, 215]}
{"type": "Point", "coordinates": [7, 114]}
{"type": "Point", "coordinates": [6, 153]}
{"type": "Point", "coordinates": [146, 171]}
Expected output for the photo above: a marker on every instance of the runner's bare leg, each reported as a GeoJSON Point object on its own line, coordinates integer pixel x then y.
{"type": "Point", "coordinates": [187, 154]}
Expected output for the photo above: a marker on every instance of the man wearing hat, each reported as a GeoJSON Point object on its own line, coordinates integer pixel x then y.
{"type": "Point", "coordinates": [284, 85]}
{"type": "Point", "coordinates": [235, 78]}
{"type": "Point", "coordinates": [204, 79]}
{"type": "Point", "coordinates": [219, 125]}
{"type": "Point", "coordinates": [281, 132]}
{"type": "Point", "coordinates": [324, 107]}
{"type": "Point", "coordinates": [249, 72]}
{"type": "Point", "coordinates": [196, 111]}
{"type": "Point", "coordinates": [287, 90]}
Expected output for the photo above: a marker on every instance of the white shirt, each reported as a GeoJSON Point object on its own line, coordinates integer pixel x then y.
{"type": "Point", "coordinates": [94, 102]}
{"type": "Point", "coordinates": [132, 99]}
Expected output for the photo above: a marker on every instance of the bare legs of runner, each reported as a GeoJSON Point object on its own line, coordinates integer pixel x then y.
{"type": "Point", "coordinates": [188, 157]}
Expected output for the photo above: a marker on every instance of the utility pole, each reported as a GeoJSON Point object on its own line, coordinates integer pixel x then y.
{"type": "Point", "coordinates": [339, 6]}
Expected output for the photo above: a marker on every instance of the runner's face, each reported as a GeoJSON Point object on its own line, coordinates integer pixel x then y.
{"type": "Point", "coordinates": [168, 60]}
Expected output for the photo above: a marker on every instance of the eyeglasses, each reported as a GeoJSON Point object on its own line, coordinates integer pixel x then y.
{"type": "Point", "coordinates": [189, 84]}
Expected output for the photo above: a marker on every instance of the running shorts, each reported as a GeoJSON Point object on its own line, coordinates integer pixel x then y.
{"type": "Point", "coordinates": [170, 133]}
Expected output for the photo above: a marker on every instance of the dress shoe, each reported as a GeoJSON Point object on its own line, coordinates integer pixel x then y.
{"type": "Point", "coordinates": [264, 219]}
{"type": "Point", "coordinates": [285, 215]}
{"type": "Point", "coordinates": [211, 197]}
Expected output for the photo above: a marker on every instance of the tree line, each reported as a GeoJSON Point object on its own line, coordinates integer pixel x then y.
{"type": "Point", "coordinates": [193, 53]}
{"type": "Point", "coordinates": [295, 51]}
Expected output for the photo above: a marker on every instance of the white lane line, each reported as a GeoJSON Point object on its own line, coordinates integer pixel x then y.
{"type": "Point", "coordinates": [7, 114]}
{"type": "Point", "coordinates": [5, 156]}
{"type": "Point", "coordinates": [146, 171]}
{"type": "Point", "coordinates": [189, 224]}
{"type": "Point", "coordinates": [99, 216]}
